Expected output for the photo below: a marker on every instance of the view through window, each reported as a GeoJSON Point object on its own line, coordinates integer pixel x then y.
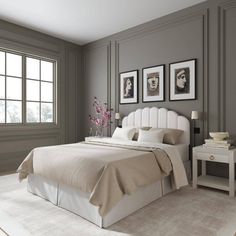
{"type": "Point", "coordinates": [27, 88]}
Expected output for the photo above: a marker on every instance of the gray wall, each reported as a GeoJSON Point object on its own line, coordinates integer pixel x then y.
{"type": "Point", "coordinates": [17, 141]}
{"type": "Point", "coordinates": [206, 32]}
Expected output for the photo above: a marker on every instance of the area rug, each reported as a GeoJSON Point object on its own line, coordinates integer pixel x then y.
{"type": "Point", "coordinates": [186, 212]}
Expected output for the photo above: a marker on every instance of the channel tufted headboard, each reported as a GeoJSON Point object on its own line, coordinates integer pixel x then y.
{"type": "Point", "coordinates": [159, 118]}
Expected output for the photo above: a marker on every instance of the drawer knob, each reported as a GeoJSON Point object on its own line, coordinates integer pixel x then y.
{"type": "Point", "coordinates": [211, 157]}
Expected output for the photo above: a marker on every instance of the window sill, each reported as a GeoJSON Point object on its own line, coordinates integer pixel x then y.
{"type": "Point", "coordinates": [28, 127]}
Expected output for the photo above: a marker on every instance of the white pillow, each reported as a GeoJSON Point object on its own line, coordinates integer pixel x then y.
{"type": "Point", "coordinates": [153, 136]}
{"type": "Point", "coordinates": [126, 133]}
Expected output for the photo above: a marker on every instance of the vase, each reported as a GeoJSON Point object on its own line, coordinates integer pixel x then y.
{"type": "Point", "coordinates": [99, 131]}
{"type": "Point", "coordinates": [90, 133]}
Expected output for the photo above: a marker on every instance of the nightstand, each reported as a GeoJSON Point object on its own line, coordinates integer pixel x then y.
{"type": "Point", "coordinates": [214, 155]}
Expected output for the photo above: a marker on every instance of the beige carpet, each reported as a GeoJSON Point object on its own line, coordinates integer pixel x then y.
{"type": "Point", "coordinates": [186, 212]}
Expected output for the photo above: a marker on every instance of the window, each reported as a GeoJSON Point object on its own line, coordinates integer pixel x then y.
{"type": "Point", "coordinates": [27, 88]}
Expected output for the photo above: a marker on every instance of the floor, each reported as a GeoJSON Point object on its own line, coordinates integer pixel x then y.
{"type": "Point", "coordinates": [186, 212]}
{"type": "Point", "coordinates": [2, 232]}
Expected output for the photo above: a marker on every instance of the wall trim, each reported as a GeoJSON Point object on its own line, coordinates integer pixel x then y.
{"type": "Point", "coordinates": [20, 35]}
{"type": "Point", "coordinates": [13, 39]}
{"type": "Point", "coordinates": [68, 52]}
{"type": "Point", "coordinates": [153, 24]}
{"type": "Point", "coordinates": [86, 50]}
{"type": "Point", "coordinates": [202, 15]}
{"type": "Point", "coordinates": [95, 45]}
{"type": "Point", "coordinates": [162, 26]}
{"type": "Point", "coordinates": [222, 11]}
{"type": "Point", "coordinates": [16, 137]}
{"type": "Point", "coordinates": [205, 66]}
{"type": "Point", "coordinates": [117, 92]}
{"type": "Point", "coordinates": [12, 160]}
{"type": "Point", "coordinates": [109, 82]}
{"type": "Point", "coordinates": [221, 68]}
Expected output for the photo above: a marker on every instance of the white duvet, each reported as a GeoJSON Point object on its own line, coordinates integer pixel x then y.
{"type": "Point", "coordinates": [172, 151]}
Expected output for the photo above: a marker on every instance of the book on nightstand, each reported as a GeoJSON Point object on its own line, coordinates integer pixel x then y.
{"type": "Point", "coordinates": [223, 144]}
{"type": "Point", "coordinates": [212, 141]}
{"type": "Point", "coordinates": [219, 146]}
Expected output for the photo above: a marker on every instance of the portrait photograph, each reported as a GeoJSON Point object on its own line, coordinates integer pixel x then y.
{"type": "Point", "coordinates": [129, 87]}
{"type": "Point", "coordinates": [153, 83]}
{"type": "Point", "coordinates": [183, 80]}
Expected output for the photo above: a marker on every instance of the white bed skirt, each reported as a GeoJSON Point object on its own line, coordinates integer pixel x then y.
{"type": "Point", "coordinates": [77, 201]}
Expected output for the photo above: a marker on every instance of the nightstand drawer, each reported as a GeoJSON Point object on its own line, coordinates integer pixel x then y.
{"type": "Point", "coordinates": [213, 157]}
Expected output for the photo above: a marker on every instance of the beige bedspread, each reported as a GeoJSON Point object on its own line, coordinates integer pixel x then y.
{"type": "Point", "coordinates": [107, 172]}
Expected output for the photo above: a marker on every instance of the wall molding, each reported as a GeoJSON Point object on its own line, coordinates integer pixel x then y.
{"type": "Point", "coordinates": [221, 67]}
{"type": "Point", "coordinates": [205, 66]}
{"type": "Point", "coordinates": [213, 17]}
{"type": "Point", "coordinates": [28, 41]}
{"type": "Point", "coordinates": [12, 160]}
{"type": "Point", "coordinates": [12, 39]}
{"type": "Point", "coordinates": [227, 4]}
{"type": "Point", "coordinates": [21, 137]}
{"type": "Point", "coordinates": [88, 49]}
{"type": "Point", "coordinates": [68, 52]}
{"type": "Point", "coordinates": [117, 92]}
{"type": "Point", "coordinates": [179, 20]}
{"type": "Point", "coordinates": [21, 35]}
{"type": "Point", "coordinates": [96, 45]}
{"type": "Point", "coordinates": [196, 13]}
{"type": "Point", "coordinates": [222, 11]}
{"type": "Point", "coordinates": [28, 130]}
{"type": "Point", "coordinates": [109, 102]}
{"type": "Point", "coordinates": [203, 16]}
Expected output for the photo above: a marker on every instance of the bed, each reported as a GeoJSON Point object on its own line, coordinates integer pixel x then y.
{"type": "Point", "coordinates": [122, 200]}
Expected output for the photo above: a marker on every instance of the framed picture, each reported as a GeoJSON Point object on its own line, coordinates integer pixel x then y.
{"type": "Point", "coordinates": [183, 80]}
{"type": "Point", "coordinates": [129, 87]}
{"type": "Point", "coordinates": [153, 83]}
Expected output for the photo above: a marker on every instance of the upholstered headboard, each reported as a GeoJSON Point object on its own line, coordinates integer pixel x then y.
{"type": "Point", "coordinates": [159, 118]}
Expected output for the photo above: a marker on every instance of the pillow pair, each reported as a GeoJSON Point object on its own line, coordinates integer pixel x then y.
{"type": "Point", "coordinates": [148, 134]}
{"type": "Point", "coordinates": [130, 133]}
{"type": "Point", "coordinates": [144, 135]}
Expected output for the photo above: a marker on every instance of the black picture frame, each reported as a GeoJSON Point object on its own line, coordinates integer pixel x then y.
{"type": "Point", "coordinates": [128, 87]}
{"type": "Point", "coordinates": [182, 80]}
{"type": "Point", "coordinates": [153, 83]}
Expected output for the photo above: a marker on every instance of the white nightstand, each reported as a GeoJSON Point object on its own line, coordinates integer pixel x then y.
{"type": "Point", "coordinates": [214, 155]}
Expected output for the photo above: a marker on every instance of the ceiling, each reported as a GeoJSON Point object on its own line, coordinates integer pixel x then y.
{"type": "Point", "coordinates": [83, 21]}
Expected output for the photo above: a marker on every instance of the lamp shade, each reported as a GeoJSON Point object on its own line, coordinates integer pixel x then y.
{"type": "Point", "coordinates": [117, 116]}
{"type": "Point", "coordinates": [195, 115]}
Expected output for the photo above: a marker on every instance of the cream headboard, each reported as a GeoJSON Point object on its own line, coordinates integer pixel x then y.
{"type": "Point", "coordinates": [159, 118]}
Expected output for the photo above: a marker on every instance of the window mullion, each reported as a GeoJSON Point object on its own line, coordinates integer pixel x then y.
{"type": "Point", "coordinates": [5, 88]}
{"type": "Point", "coordinates": [54, 93]}
{"type": "Point", "coordinates": [23, 89]}
{"type": "Point", "coordinates": [40, 79]}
